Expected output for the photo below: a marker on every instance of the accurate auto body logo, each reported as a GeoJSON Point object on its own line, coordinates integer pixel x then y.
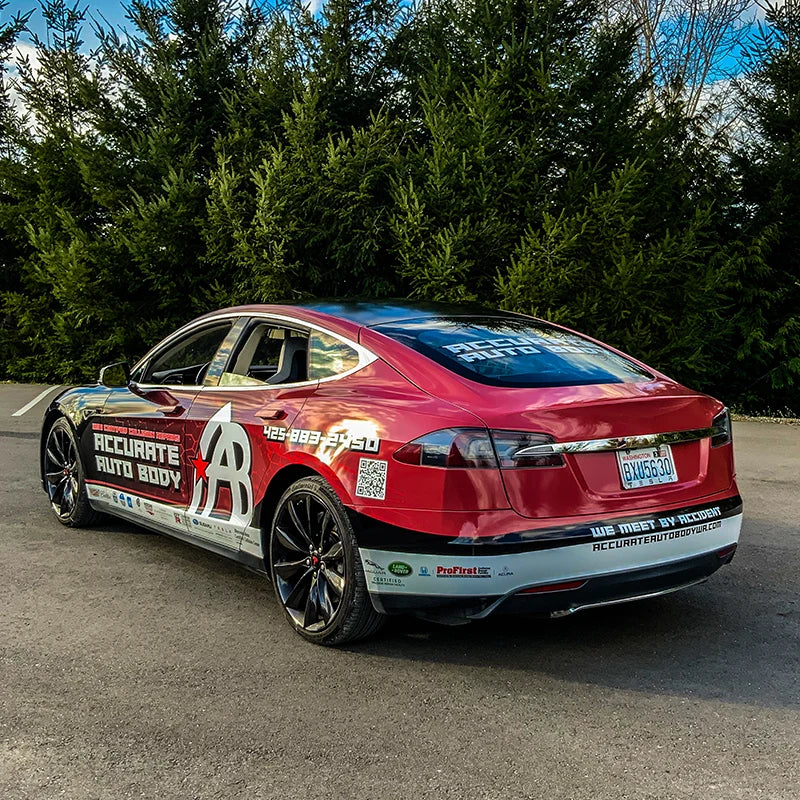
{"type": "Point", "coordinates": [223, 459]}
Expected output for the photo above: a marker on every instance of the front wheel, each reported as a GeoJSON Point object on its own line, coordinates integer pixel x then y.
{"type": "Point", "coordinates": [315, 566]}
{"type": "Point", "coordinates": [64, 477]}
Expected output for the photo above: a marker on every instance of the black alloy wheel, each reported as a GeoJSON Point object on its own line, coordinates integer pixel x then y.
{"type": "Point", "coordinates": [315, 566]}
{"type": "Point", "coordinates": [63, 473]}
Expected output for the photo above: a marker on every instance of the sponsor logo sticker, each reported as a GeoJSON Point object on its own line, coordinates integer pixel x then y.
{"type": "Point", "coordinates": [385, 580]}
{"type": "Point", "coordinates": [400, 568]}
{"type": "Point", "coordinates": [463, 572]}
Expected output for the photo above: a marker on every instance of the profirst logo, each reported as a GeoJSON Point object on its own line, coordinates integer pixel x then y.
{"type": "Point", "coordinates": [463, 572]}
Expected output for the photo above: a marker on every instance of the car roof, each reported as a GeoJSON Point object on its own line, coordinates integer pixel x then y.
{"type": "Point", "coordinates": [370, 313]}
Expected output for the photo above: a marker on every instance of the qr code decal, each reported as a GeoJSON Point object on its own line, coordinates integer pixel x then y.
{"type": "Point", "coordinates": [371, 478]}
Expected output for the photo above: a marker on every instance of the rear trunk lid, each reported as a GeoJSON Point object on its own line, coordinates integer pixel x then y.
{"type": "Point", "coordinates": [592, 482]}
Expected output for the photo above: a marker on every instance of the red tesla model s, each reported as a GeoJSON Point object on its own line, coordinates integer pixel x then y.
{"type": "Point", "coordinates": [376, 459]}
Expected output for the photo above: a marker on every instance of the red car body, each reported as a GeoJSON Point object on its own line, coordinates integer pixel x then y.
{"type": "Point", "coordinates": [550, 532]}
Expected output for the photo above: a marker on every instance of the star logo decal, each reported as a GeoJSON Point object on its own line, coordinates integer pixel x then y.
{"type": "Point", "coordinates": [200, 466]}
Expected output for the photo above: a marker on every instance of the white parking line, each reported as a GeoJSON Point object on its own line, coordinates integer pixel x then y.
{"type": "Point", "coordinates": [28, 406]}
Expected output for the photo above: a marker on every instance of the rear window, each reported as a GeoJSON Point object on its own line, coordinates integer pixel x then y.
{"type": "Point", "coordinates": [507, 352]}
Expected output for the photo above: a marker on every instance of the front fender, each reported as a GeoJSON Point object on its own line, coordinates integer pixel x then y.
{"type": "Point", "coordinates": [77, 405]}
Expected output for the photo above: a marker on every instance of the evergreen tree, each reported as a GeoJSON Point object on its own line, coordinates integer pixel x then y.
{"type": "Point", "coordinates": [124, 143]}
{"type": "Point", "coordinates": [769, 167]}
{"type": "Point", "coordinates": [12, 172]}
{"type": "Point", "coordinates": [495, 150]}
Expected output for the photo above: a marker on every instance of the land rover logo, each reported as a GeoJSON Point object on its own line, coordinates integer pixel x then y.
{"type": "Point", "coordinates": [399, 568]}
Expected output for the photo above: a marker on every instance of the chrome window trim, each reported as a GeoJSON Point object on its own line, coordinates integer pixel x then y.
{"type": "Point", "coordinates": [619, 443]}
{"type": "Point", "coordinates": [365, 357]}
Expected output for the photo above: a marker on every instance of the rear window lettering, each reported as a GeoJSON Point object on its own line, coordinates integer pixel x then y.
{"type": "Point", "coordinates": [504, 351]}
{"type": "Point", "coordinates": [469, 351]}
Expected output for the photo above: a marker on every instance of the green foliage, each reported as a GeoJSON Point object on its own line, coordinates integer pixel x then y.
{"type": "Point", "coordinates": [500, 151]}
{"type": "Point", "coordinates": [769, 169]}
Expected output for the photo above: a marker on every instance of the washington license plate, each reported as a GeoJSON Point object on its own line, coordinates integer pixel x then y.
{"type": "Point", "coordinates": [646, 466]}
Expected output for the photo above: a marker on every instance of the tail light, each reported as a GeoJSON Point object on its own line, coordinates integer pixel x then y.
{"type": "Point", "coordinates": [721, 429]}
{"type": "Point", "coordinates": [478, 448]}
{"type": "Point", "coordinates": [469, 448]}
{"type": "Point", "coordinates": [517, 449]}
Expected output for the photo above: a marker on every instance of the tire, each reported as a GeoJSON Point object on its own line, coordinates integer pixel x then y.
{"type": "Point", "coordinates": [64, 477]}
{"type": "Point", "coordinates": [316, 569]}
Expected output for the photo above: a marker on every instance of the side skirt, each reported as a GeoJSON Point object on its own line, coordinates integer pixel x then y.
{"type": "Point", "coordinates": [248, 560]}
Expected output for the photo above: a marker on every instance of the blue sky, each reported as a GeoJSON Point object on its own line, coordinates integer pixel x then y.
{"type": "Point", "coordinates": [110, 9]}
{"type": "Point", "coordinates": [113, 12]}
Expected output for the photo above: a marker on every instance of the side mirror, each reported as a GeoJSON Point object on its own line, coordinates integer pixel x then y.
{"type": "Point", "coordinates": [115, 376]}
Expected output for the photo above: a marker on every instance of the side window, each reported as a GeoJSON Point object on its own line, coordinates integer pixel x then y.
{"type": "Point", "coordinates": [327, 356]}
{"type": "Point", "coordinates": [268, 355]}
{"type": "Point", "coordinates": [185, 362]}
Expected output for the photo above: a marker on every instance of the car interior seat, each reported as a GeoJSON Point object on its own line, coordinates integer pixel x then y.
{"type": "Point", "coordinates": [292, 364]}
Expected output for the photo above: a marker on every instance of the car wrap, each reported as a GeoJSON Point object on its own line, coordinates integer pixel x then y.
{"type": "Point", "coordinates": [207, 463]}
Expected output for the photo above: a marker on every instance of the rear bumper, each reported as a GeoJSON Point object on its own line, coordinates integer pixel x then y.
{"type": "Point", "coordinates": [610, 562]}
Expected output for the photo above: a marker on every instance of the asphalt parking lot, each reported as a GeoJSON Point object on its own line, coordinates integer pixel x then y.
{"type": "Point", "coordinates": [132, 665]}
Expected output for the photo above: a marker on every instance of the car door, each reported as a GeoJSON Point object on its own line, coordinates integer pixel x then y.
{"type": "Point", "coordinates": [237, 427]}
{"type": "Point", "coordinates": [137, 444]}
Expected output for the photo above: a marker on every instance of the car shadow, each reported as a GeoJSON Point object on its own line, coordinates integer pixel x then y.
{"type": "Point", "coordinates": [700, 643]}
{"type": "Point", "coordinates": [725, 640]}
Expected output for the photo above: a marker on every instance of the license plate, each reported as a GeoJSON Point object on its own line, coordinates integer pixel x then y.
{"type": "Point", "coordinates": [646, 466]}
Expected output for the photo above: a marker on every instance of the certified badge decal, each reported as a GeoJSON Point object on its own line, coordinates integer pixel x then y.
{"type": "Point", "coordinates": [223, 458]}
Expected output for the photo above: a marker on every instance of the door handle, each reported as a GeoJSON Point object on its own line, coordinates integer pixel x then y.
{"type": "Point", "coordinates": [271, 414]}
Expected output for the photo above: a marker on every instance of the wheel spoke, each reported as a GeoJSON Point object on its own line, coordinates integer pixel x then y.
{"type": "Point", "coordinates": [286, 569]}
{"type": "Point", "coordinates": [52, 476]}
{"type": "Point", "coordinates": [335, 553]}
{"type": "Point", "coordinates": [57, 453]}
{"type": "Point", "coordinates": [323, 525]}
{"type": "Point", "coordinates": [57, 490]}
{"type": "Point", "coordinates": [296, 520]}
{"type": "Point", "coordinates": [288, 542]}
{"type": "Point", "coordinates": [325, 605]}
{"type": "Point", "coordinates": [52, 456]}
{"type": "Point", "coordinates": [63, 444]}
{"type": "Point", "coordinates": [335, 581]}
{"type": "Point", "coordinates": [311, 613]}
{"type": "Point", "coordinates": [309, 518]}
{"type": "Point", "coordinates": [66, 498]}
{"type": "Point", "coordinates": [298, 593]}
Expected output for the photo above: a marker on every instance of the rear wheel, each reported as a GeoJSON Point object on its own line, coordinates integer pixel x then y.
{"type": "Point", "coordinates": [64, 477]}
{"type": "Point", "coordinates": [315, 566]}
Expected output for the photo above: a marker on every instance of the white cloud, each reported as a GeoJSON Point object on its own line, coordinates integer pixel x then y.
{"type": "Point", "coordinates": [22, 50]}
{"type": "Point", "coordinates": [760, 7]}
